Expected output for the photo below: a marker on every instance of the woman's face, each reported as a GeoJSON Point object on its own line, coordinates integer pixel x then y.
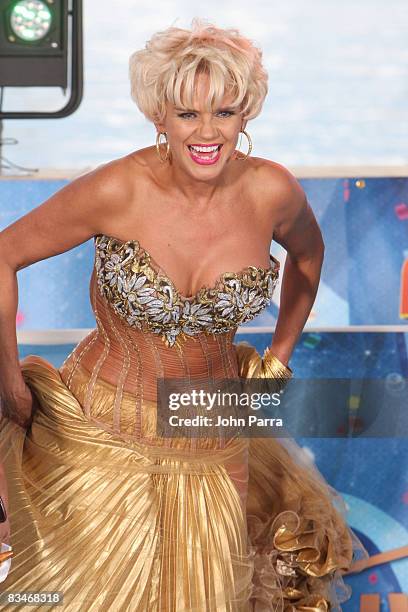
{"type": "Point", "coordinates": [216, 131]}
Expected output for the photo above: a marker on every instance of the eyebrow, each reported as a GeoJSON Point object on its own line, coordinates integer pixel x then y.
{"type": "Point", "coordinates": [190, 110]}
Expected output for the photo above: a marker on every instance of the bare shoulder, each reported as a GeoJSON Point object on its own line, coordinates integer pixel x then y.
{"type": "Point", "coordinates": [72, 215]}
{"type": "Point", "coordinates": [113, 183]}
{"type": "Point", "coordinates": [279, 189]}
{"type": "Point", "coordinates": [295, 225]}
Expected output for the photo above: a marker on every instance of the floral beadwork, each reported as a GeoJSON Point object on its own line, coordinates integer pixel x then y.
{"type": "Point", "coordinates": [149, 300]}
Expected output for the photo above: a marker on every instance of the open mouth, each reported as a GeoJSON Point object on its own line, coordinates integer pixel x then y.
{"type": "Point", "coordinates": [206, 154]}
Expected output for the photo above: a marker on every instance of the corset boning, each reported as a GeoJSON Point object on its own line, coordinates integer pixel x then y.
{"type": "Point", "coordinates": [113, 371]}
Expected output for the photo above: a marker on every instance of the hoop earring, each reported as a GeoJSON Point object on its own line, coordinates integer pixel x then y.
{"type": "Point", "coordinates": [166, 142]}
{"type": "Point", "coordinates": [249, 147]}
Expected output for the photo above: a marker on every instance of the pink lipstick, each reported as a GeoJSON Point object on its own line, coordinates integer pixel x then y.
{"type": "Point", "coordinates": [207, 158]}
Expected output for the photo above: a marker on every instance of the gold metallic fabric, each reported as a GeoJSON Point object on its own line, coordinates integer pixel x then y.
{"type": "Point", "coordinates": [267, 367]}
{"type": "Point", "coordinates": [119, 518]}
{"type": "Point", "coordinates": [119, 523]}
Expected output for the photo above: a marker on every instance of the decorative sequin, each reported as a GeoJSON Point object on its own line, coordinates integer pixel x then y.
{"type": "Point", "coordinates": [149, 300]}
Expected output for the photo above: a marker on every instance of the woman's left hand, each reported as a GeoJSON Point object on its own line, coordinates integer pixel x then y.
{"type": "Point", "coordinates": [252, 365]}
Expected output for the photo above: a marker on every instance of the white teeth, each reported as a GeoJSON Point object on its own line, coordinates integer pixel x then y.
{"type": "Point", "coordinates": [204, 149]}
{"type": "Point", "coordinates": [214, 154]}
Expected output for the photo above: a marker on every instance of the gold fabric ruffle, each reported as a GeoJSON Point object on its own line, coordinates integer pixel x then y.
{"type": "Point", "coordinates": [300, 540]}
{"type": "Point", "coordinates": [119, 525]}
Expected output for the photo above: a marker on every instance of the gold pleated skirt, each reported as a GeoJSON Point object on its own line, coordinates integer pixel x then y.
{"type": "Point", "coordinates": [123, 526]}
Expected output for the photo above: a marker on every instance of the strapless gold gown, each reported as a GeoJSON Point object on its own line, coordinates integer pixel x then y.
{"type": "Point", "coordinates": [118, 518]}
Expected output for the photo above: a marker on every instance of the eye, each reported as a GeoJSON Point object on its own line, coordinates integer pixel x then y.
{"type": "Point", "coordinates": [228, 113]}
{"type": "Point", "coordinates": [187, 115]}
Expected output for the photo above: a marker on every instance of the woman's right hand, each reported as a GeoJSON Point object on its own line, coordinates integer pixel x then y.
{"type": "Point", "coordinates": [18, 404]}
{"type": "Point", "coordinates": [4, 526]}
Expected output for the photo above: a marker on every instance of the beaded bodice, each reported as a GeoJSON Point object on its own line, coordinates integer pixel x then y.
{"type": "Point", "coordinates": [146, 330]}
{"type": "Point", "coordinates": [129, 280]}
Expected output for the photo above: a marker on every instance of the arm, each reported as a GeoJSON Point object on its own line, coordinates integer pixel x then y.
{"type": "Point", "coordinates": [296, 229]}
{"type": "Point", "coordinates": [68, 218]}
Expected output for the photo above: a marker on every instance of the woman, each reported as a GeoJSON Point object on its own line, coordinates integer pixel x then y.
{"type": "Point", "coordinates": [182, 233]}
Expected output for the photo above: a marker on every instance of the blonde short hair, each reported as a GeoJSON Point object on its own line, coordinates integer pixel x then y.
{"type": "Point", "coordinates": [166, 69]}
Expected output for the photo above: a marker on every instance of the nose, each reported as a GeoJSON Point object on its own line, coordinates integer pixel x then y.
{"type": "Point", "coordinates": [207, 129]}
